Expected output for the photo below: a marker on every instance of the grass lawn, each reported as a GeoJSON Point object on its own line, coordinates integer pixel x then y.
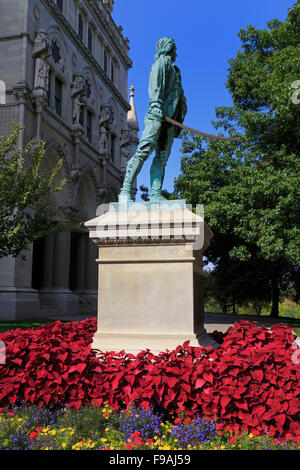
{"type": "Point", "coordinates": [36, 323]}
{"type": "Point", "coordinates": [24, 324]}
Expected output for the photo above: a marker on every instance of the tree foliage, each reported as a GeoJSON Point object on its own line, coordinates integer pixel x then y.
{"type": "Point", "coordinates": [251, 189]}
{"type": "Point", "coordinates": [26, 207]}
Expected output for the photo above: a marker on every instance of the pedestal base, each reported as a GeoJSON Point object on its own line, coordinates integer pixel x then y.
{"type": "Point", "coordinates": [135, 343]}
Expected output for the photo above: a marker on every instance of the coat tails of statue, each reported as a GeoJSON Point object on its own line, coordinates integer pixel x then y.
{"type": "Point", "coordinates": [166, 98]}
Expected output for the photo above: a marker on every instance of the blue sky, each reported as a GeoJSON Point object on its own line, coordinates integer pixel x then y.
{"type": "Point", "coordinates": [205, 33]}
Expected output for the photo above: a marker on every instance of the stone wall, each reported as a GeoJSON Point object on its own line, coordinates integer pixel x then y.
{"type": "Point", "coordinates": [83, 56]}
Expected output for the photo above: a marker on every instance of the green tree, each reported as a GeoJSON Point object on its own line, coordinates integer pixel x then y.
{"type": "Point", "coordinates": [26, 208]}
{"type": "Point", "coordinates": [251, 189]}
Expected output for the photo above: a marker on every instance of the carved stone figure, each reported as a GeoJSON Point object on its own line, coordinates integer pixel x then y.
{"type": "Point", "coordinates": [77, 85]}
{"type": "Point", "coordinates": [106, 117]}
{"type": "Point", "coordinates": [125, 140]}
{"type": "Point", "coordinates": [166, 98]}
{"type": "Point", "coordinates": [109, 4]}
{"type": "Point", "coordinates": [41, 74]}
{"type": "Point", "coordinates": [77, 109]}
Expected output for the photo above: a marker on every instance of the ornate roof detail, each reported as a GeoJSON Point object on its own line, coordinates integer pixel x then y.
{"type": "Point", "coordinates": [131, 115]}
{"type": "Point", "coordinates": [109, 4]}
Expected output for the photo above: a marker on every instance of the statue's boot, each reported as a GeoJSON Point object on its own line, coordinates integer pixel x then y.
{"type": "Point", "coordinates": [133, 168]}
{"type": "Point", "coordinates": [157, 173]}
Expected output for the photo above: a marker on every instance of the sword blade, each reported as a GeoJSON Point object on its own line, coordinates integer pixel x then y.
{"type": "Point", "coordinates": [210, 136]}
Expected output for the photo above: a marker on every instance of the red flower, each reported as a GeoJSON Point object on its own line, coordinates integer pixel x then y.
{"type": "Point", "coordinates": [135, 434]}
{"type": "Point", "coordinates": [232, 439]}
{"type": "Point", "coordinates": [33, 435]}
{"type": "Point", "coordinates": [249, 383]}
{"type": "Point", "coordinates": [38, 429]}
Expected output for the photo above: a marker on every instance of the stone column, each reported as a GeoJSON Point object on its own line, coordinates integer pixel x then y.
{"type": "Point", "coordinates": [48, 253]}
{"type": "Point", "coordinates": [18, 300]}
{"type": "Point", "coordinates": [60, 296]}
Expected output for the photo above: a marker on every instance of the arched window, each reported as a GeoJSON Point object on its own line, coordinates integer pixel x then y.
{"type": "Point", "coordinates": [105, 61]}
{"type": "Point", "coordinates": [80, 26]}
{"type": "Point", "coordinates": [112, 72]}
{"type": "Point", "coordinates": [58, 96]}
{"type": "Point", "coordinates": [90, 40]}
{"type": "Point", "coordinates": [49, 90]}
{"type": "Point", "coordinates": [89, 125]}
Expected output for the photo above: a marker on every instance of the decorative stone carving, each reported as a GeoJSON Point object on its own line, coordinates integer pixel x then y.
{"type": "Point", "coordinates": [77, 104]}
{"type": "Point", "coordinates": [41, 74]}
{"type": "Point", "coordinates": [77, 85]}
{"type": "Point", "coordinates": [109, 4]}
{"type": "Point", "coordinates": [41, 44]}
{"type": "Point", "coordinates": [106, 120]}
{"type": "Point", "coordinates": [41, 51]}
{"type": "Point", "coordinates": [125, 141]}
{"type": "Point", "coordinates": [55, 51]}
{"type": "Point", "coordinates": [106, 117]}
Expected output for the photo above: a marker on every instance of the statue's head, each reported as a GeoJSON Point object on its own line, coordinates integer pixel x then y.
{"type": "Point", "coordinates": [166, 46]}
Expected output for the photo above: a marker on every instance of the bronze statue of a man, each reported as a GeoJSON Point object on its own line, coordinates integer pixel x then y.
{"type": "Point", "coordinates": [166, 98]}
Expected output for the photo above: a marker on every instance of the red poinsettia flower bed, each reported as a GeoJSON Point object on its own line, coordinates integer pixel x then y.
{"type": "Point", "coordinates": [249, 382]}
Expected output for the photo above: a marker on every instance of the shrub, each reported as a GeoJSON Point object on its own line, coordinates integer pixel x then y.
{"type": "Point", "coordinates": [250, 382]}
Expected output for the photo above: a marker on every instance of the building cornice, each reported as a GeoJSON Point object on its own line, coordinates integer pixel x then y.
{"type": "Point", "coordinates": [62, 21]}
{"type": "Point", "coordinates": [15, 37]}
{"type": "Point", "coordinates": [110, 28]}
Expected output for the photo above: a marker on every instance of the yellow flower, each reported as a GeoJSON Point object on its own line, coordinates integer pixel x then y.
{"type": "Point", "coordinates": [63, 444]}
{"type": "Point", "coordinates": [250, 435]}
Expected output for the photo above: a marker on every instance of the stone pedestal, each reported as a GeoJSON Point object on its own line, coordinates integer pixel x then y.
{"type": "Point", "coordinates": [150, 277]}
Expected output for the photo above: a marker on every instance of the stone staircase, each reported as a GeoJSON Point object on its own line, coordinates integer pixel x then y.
{"type": "Point", "coordinates": [49, 311]}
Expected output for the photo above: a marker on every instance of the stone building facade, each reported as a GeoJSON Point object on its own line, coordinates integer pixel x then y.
{"type": "Point", "coordinates": [64, 65]}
